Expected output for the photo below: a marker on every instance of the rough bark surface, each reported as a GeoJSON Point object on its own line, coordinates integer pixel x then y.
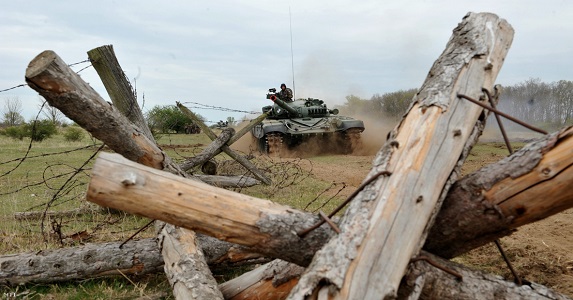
{"type": "Point", "coordinates": [379, 236]}
{"type": "Point", "coordinates": [492, 202]}
{"type": "Point", "coordinates": [88, 261]}
{"type": "Point", "coordinates": [117, 85]}
{"type": "Point", "coordinates": [185, 265]}
{"type": "Point", "coordinates": [426, 282]}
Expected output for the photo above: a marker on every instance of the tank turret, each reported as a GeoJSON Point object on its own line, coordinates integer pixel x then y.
{"type": "Point", "coordinates": [292, 112]}
{"type": "Point", "coordinates": [291, 123]}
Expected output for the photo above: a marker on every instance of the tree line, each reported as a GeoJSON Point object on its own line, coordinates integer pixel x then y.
{"type": "Point", "coordinates": [545, 105]}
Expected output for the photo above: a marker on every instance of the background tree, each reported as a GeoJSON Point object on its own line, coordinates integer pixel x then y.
{"type": "Point", "coordinates": [168, 119]}
{"type": "Point", "coordinates": [12, 113]}
{"type": "Point", "coordinates": [50, 113]}
{"type": "Point", "coordinates": [231, 121]}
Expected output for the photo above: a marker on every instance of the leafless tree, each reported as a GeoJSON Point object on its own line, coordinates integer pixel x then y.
{"type": "Point", "coordinates": [12, 113]}
{"type": "Point", "coordinates": [51, 113]}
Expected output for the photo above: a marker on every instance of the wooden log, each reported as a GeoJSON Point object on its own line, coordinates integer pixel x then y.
{"type": "Point", "coordinates": [386, 224]}
{"type": "Point", "coordinates": [88, 261]}
{"type": "Point", "coordinates": [210, 151]}
{"type": "Point", "coordinates": [117, 85]}
{"type": "Point", "coordinates": [136, 257]}
{"type": "Point", "coordinates": [427, 282]}
{"type": "Point", "coordinates": [50, 76]}
{"type": "Point", "coordinates": [247, 128]}
{"type": "Point", "coordinates": [271, 281]}
{"type": "Point", "coordinates": [225, 148]}
{"type": "Point", "coordinates": [492, 202]}
{"type": "Point", "coordinates": [185, 266]}
{"type": "Point", "coordinates": [35, 215]}
{"type": "Point", "coordinates": [260, 224]}
{"type": "Point", "coordinates": [429, 277]}
{"type": "Point", "coordinates": [228, 181]}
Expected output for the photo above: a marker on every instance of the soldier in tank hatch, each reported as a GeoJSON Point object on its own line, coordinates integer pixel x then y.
{"type": "Point", "coordinates": [285, 93]}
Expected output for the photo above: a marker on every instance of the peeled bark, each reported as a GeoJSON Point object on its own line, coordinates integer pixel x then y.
{"type": "Point", "coordinates": [263, 225]}
{"type": "Point", "coordinates": [271, 281]}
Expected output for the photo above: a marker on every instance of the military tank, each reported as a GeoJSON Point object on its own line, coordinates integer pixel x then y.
{"type": "Point", "coordinates": [291, 123]}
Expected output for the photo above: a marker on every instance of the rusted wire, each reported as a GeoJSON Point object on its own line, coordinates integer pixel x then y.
{"type": "Point", "coordinates": [304, 232]}
{"type": "Point", "coordinates": [503, 114]}
{"type": "Point", "coordinates": [435, 264]}
{"type": "Point", "coordinates": [136, 233]}
{"type": "Point", "coordinates": [492, 101]}
{"type": "Point", "coordinates": [329, 221]}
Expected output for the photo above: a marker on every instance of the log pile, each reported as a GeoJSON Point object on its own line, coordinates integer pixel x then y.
{"type": "Point", "coordinates": [411, 200]}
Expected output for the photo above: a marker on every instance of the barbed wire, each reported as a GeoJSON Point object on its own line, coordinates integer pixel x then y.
{"type": "Point", "coordinates": [70, 65]}
{"type": "Point", "coordinates": [220, 108]}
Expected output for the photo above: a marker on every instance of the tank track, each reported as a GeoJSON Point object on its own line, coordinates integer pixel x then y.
{"type": "Point", "coordinates": [274, 144]}
{"type": "Point", "coordinates": [352, 140]}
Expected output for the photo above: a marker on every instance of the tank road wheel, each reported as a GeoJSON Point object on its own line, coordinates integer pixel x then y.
{"type": "Point", "coordinates": [275, 145]}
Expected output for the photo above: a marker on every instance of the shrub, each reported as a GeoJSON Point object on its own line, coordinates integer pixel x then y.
{"type": "Point", "coordinates": [73, 134]}
{"type": "Point", "coordinates": [40, 130]}
{"type": "Point", "coordinates": [15, 132]}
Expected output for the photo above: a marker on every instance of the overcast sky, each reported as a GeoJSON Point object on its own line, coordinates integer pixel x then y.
{"type": "Point", "coordinates": [228, 53]}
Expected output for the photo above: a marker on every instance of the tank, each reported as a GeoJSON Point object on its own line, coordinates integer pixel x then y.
{"type": "Point", "coordinates": [291, 123]}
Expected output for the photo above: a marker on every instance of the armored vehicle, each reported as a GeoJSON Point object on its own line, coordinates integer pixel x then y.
{"type": "Point", "coordinates": [291, 123]}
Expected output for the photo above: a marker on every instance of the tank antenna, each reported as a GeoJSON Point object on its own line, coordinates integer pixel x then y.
{"type": "Point", "coordinates": [291, 54]}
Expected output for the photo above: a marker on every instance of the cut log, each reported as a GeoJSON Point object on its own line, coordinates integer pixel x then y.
{"type": "Point", "coordinates": [426, 282]}
{"type": "Point", "coordinates": [50, 76]}
{"type": "Point", "coordinates": [210, 151]}
{"type": "Point", "coordinates": [88, 261]}
{"type": "Point", "coordinates": [260, 224]}
{"type": "Point", "coordinates": [386, 224]}
{"type": "Point", "coordinates": [271, 281]}
{"type": "Point", "coordinates": [92, 260]}
{"type": "Point", "coordinates": [492, 202]}
{"type": "Point", "coordinates": [228, 181]}
{"type": "Point", "coordinates": [35, 215]}
{"type": "Point", "coordinates": [185, 265]}
{"type": "Point", "coordinates": [117, 85]}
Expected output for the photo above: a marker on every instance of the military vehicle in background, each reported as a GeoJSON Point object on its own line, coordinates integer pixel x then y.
{"type": "Point", "coordinates": [290, 124]}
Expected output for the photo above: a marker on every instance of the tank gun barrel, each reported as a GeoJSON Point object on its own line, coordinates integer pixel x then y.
{"type": "Point", "coordinates": [292, 112]}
